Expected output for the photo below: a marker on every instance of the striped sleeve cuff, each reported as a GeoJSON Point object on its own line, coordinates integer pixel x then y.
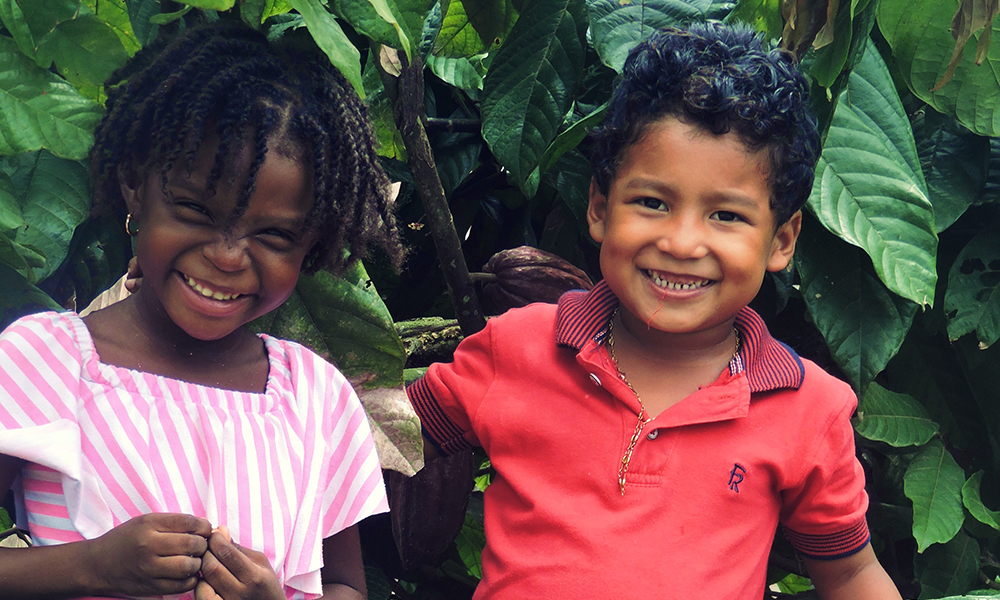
{"type": "Point", "coordinates": [447, 436]}
{"type": "Point", "coordinates": [831, 546]}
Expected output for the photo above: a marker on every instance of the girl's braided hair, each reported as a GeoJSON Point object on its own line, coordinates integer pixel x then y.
{"type": "Point", "coordinates": [227, 79]}
{"type": "Point", "coordinates": [719, 78]}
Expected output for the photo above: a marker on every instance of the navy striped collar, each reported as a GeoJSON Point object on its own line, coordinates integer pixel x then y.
{"type": "Point", "coordinates": [769, 364]}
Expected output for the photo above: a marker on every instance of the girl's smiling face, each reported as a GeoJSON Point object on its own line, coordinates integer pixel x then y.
{"type": "Point", "coordinates": [208, 275]}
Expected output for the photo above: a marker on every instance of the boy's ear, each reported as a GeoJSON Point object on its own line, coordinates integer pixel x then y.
{"type": "Point", "coordinates": [597, 210]}
{"type": "Point", "coordinates": [783, 244]}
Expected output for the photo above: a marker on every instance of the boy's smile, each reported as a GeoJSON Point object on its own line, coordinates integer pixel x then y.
{"type": "Point", "coordinates": [687, 231]}
{"type": "Point", "coordinates": [210, 275]}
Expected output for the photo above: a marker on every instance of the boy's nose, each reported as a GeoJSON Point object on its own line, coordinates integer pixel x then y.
{"type": "Point", "coordinates": [684, 240]}
{"type": "Point", "coordinates": [228, 254]}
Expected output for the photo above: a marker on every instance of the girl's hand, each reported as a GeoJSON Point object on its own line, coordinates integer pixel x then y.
{"type": "Point", "coordinates": [151, 555]}
{"type": "Point", "coordinates": [232, 572]}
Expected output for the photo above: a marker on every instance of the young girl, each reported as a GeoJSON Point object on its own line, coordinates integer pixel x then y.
{"type": "Point", "coordinates": [140, 438]}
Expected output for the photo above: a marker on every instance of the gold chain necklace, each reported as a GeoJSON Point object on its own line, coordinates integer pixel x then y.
{"type": "Point", "coordinates": [642, 420]}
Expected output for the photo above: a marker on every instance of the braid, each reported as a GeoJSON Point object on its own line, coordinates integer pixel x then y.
{"type": "Point", "coordinates": [226, 79]}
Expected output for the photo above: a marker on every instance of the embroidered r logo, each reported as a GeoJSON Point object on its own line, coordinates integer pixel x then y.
{"type": "Point", "coordinates": [736, 477]}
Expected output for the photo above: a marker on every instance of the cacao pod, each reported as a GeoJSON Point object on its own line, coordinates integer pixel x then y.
{"type": "Point", "coordinates": [525, 275]}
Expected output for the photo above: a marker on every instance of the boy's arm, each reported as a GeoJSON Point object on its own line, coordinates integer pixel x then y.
{"type": "Point", "coordinates": [856, 577]}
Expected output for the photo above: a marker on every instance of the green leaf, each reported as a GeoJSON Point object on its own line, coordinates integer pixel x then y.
{"type": "Point", "coordinates": [55, 199]}
{"type": "Point", "coordinates": [950, 568]}
{"type": "Point", "coordinates": [955, 163]}
{"type": "Point", "coordinates": [167, 18]}
{"type": "Point", "coordinates": [920, 36]}
{"type": "Point", "coordinates": [933, 482]}
{"type": "Point", "coordinates": [832, 58]}
{"type": "Point", "coordinates": [869, 188]}
{"type": "Point", "coordinates": [219, 5]}
{"type": "Point", "coordinates": [10, 208]}
{"type": "Point", "coordinates": [863, 324]}
{"type": "Point", "coordinates": [763, 15]}
{"type": "Point", "coordinates": [14, 20]}
{"type": "Point", "coordinates": [531, 84]}
{"type": "Point", "coordinates": [5, 521]}
{"type": "Point", "coordinates": [455, 155]}
{"type": "Point", "coordinates": [85, 50]}
{"type": "Point", "coordinates": [972, 501]}
{"type": "Point", "coordinates": [896, 419]}
{"type": "Point", "coordinates": [140, 12]}
{"type": "Point", "coordinates": [40, 110]}
{"type": "Point", "coordinates": [571, 137]}
{"type": "Point", "coordinates": [345, 322]}
{"type": "Point", "coordinates": [394, 23]}
{"type": "Point", "coordinates": [463, 73]}
{"type": "Point", "coordinates": [972, 302]}
{"type": "Point", "coordinates": [472, 27]}
{"type": "Point", "coordinates": [332, 40]}
{"type": "Point", "coordinates": [252, 12]}
{"type": "Point", "coordinates": [276, 7]}
{"type": "Point", "coordinates": [470, 543]}
{"type": "Point", "coordinates": [618, 26]}
{"type": "Point", "coordinates": [20, 298]}
{"type": "Point", "coordinates": [115, 14]}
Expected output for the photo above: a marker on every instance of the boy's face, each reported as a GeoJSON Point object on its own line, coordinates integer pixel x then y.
{"type": "Point", "coordinates": [687, 231]}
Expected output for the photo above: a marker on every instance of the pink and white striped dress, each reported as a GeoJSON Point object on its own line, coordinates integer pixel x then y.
{"type": "Point", "coordinates": [282, 469]}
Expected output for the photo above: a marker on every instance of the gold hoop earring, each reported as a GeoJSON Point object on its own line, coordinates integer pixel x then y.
{"type": "Point", "coordinates": [128, 226]}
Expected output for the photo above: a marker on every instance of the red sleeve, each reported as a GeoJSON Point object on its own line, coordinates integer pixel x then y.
{"type": "Point", "coordinates": [448, 396]}
{"type": "Point", "coordinates": [824, 514]}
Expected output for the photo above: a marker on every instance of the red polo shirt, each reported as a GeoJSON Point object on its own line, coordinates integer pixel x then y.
{"type": "Point", "coordinates": [769, 442]}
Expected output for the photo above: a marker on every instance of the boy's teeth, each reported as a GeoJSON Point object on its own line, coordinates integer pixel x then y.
{"type": "Point", "coordinates": [673, 285]}
{"type": "Point", "coordinates": [204, 291]}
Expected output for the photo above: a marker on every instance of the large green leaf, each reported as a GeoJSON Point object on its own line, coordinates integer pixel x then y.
{"type": "Point", "coordinates": [972, 302]}
{"type": "Point", "coordinates": [394, 23]}
{"type": "Point", "coordinates": [20, 298]}
{"type": "Point", "coordinates": [140, 12]}
{"type": "Point", "coordinates": [933, 482]}
{"type": "Point", "coordinates": [896, 419]}
{"type": "Point", "coordinates": [919, 33]}
{"type": "Point", "coordinates": [10, 208]}
{"type": "Point", "coordinates": [571, 137]}
{"type": "Point", "coordinates": [332, 40]}
{"type": "Point", "coordinates": [40, 110]}
{"type": "Point", "coordinates": [85, 50]}
{"type": "Point", "coordinates": [345, 322]}
{"type": "Point", "coordinates": [531, 84]}
{"type": "Point", "coordinates": [13, 19]}
{"type": "Point", "coordinates": [210, 4]}
{"type": "Point", "coordinates": [463, 73]}
{"type": "Point", "coordinates": [763, 15]}
{"type": "Point", "coordinates": [951, 568]}
{"type": "Point", "coordinates": [55, 198]}
{"type": "Point", "coordinates": [116, 14]}
{"type": "Point", "coordinates": [955, 163]}
{"type": "Point", "coordinates": [471, 27]}
{"type": "Point", "coordinates": [863, 323]}
{"type": "Point", "coordinates": [972, 501]}
{"type": "Point", "coordinates": [869, 188]}
{"type": "Point", "coordinates": [617, 26]}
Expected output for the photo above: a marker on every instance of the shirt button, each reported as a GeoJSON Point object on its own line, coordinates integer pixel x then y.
{"type": "Point", "coordinates": [652, 435]}
{"type": "Point", "coordinates": [595, 379]}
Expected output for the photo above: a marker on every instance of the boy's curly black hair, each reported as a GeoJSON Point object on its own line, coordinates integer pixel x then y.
{"type": "Point", "coordinates": [227, 79]}
{"type": "Point", "coordinates": [719, 78]}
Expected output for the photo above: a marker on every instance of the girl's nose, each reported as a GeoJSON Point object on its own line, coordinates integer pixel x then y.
{"type": "Point", "coordinates": [228, 254]}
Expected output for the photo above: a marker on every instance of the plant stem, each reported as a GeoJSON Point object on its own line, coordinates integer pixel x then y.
{"type": "Point", "coordinates": [406, 92]}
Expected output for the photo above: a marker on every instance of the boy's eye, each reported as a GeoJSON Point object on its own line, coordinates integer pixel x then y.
{"type": "Point", "coordinates": [652, 203]}
{"type": "Point", "coordinates": [727, 216]}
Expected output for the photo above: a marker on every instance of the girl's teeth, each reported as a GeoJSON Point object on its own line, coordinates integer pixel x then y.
{"type": "Point", "coordinates": [673, 285]}
{"type": "Point", "coordinates": [209, 293]}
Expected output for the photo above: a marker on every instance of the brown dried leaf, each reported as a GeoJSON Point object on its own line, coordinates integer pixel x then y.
{"type": "Point", "coordinates": [803, 21]}
{"type": "Point", "coordinates": [971, 16]}
{"type": "Point", "coordinates": [395, 427]}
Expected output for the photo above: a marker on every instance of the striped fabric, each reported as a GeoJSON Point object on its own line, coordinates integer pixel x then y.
{"type": "Point", "coordinates": [282, 469]}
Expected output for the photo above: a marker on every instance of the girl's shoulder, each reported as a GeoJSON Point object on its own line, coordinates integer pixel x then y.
{"type": "Point", "coordinates": [46, 329]}
{"type": "Point", "coordinates": [295, 367]}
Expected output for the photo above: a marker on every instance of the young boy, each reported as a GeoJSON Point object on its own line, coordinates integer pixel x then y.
{"type": "Point", "coordinates": [650, 435]}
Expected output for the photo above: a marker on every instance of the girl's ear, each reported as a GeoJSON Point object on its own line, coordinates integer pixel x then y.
{"type": "Point", "coordinates": [130, 187]}
{"type": "Point", "coordinates": [783, 244]}
{"type": "Point", "coordinates": [597, 210]}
